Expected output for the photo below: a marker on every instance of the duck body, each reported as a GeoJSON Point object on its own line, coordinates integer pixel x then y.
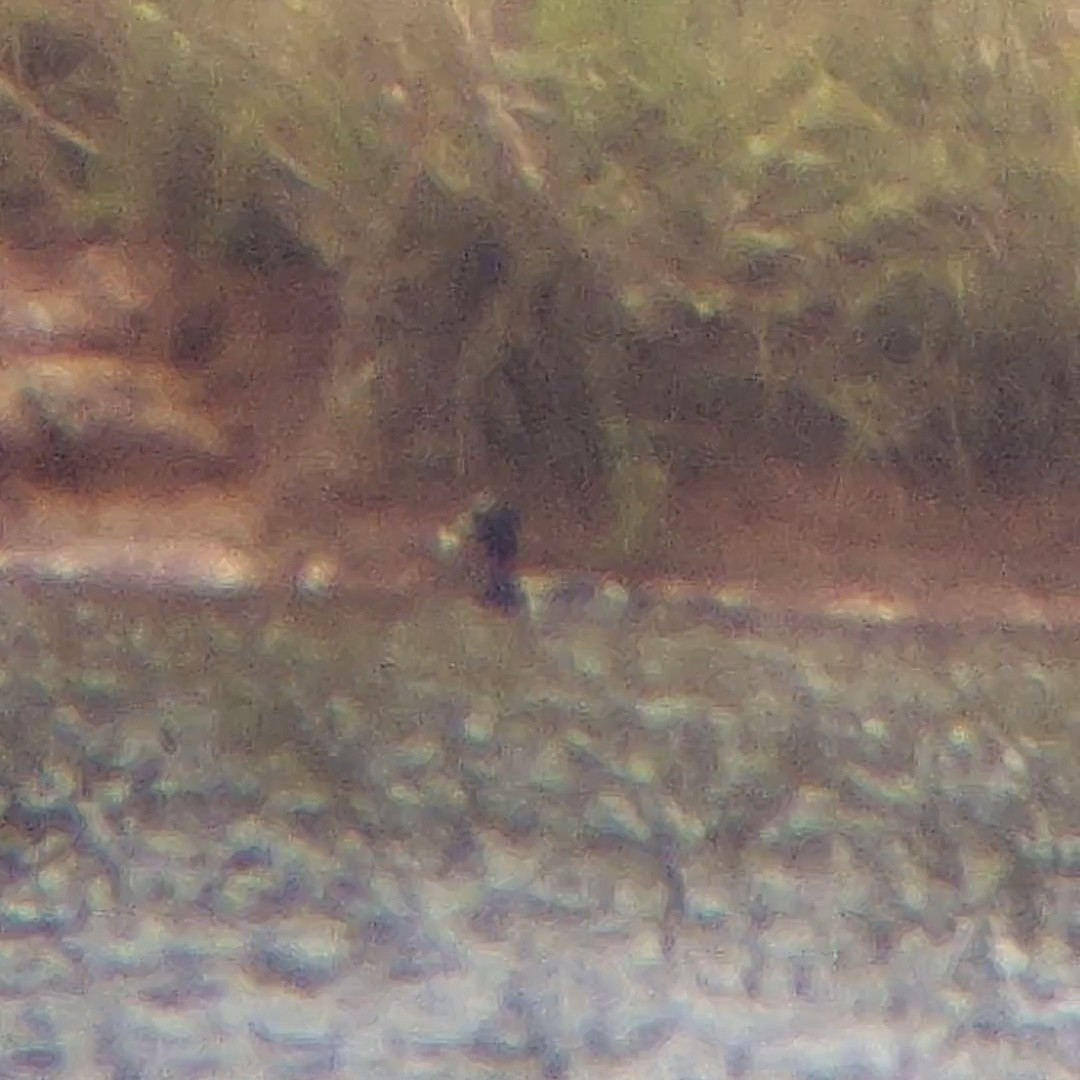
{"type": "Point", "coordinates": [496, 529]}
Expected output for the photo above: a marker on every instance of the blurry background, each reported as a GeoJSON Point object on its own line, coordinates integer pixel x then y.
{"type": "Point", "coordinates": [639, 257]}
{"type": "Point", "coordinates": [779, 293]}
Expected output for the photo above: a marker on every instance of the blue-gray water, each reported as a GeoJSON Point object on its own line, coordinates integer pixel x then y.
{"type": "Point", "coordinates": [274, 837]}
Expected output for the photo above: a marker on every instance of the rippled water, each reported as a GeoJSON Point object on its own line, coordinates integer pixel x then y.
{"type": "Point", "coordinates": [300, 837]}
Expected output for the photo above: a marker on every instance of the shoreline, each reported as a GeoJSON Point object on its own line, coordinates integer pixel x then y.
{"type": "Point", "coordinates": [214, 568]}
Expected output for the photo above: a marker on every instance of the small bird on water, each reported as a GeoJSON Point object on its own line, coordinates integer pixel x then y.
{"type": "Point", "coordinates": [495, 527]}
{"type": "Point", "coordinates": [491, 528]}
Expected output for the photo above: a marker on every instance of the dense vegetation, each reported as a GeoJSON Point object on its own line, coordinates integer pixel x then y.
{"type": "Point", "coordinates": [603, 239]}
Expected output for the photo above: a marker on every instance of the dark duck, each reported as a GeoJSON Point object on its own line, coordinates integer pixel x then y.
{"type": "Point", "coordinates": [496, 527]}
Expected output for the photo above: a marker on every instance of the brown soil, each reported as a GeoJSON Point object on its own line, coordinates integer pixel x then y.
{"type": "Point", "coordinates": [797, 537]}
{"type": "Point", "coordinates": [794, 527]}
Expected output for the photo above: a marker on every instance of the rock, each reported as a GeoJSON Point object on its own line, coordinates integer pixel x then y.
{"type": "Point", "coordinates": [194, 566]}
{"type": "Point", "coordinates": [74, 417]}
{"type": "Point", "coordinates": [99, 298]}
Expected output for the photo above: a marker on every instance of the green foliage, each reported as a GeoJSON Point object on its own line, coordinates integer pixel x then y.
{"type": "Point", "coordinates": [910, 169]}
{"type": "Point", "coordinates": [876, 205]}
{"type": "Point", "coordinates": [194, 104]}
